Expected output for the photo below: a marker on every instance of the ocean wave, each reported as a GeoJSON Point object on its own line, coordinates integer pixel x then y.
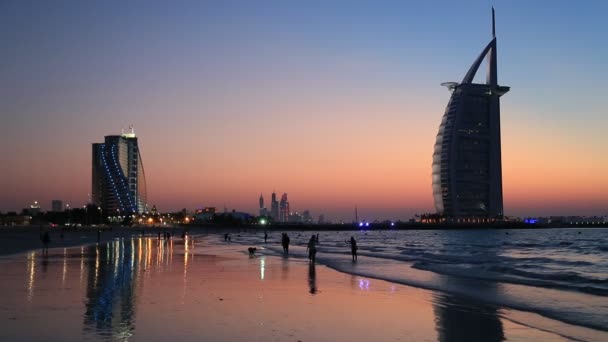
{"type": "Point", "coordinates": [504, 274]}
{"type": "Point", "coordinates": [570, 277]}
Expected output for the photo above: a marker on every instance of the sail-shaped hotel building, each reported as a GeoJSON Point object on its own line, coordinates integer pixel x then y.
{"type": "Point", "coordinates": [467, 175]}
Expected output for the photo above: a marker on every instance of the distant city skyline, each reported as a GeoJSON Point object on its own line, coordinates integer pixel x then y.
{"type": "Point", "coordinates": [336, 102]}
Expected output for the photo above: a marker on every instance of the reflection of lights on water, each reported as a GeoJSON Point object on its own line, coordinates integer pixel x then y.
{"type": "Point", "coordinates": [96, 266]}
{"type": "Point", "coordinates": [185, 259]}
{"type": "Point", "coordinates": [170, 251]}
{"type": "Point", "coordinates": [364, 284]}
{"type": "Point", "coordinates": [132, 253]}
{"type": "Point", "coordinates": [65, 267]}
{"type": "Point", "coordinates": [262, 267]}
{"type": "Point", "coordinates": [116, 256]}
{"type": "Point", "coordinates": [31, 270]}
{"type": "Point", "coordinates": [185, 268]}
{"type": "Point", "coordinates": [140, 252]}
{"type": "Point", "coordinates": [81, 266]}
{"type": "Point", "coordinates": [160, 252]}
{"type": "Point", "coordinates": [148, 257]}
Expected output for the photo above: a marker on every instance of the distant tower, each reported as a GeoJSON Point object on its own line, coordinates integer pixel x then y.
{"type": "Point", "coordinates": [263, 211]}
{"type": "Point", "coordinates": [119, 182]}
{"type": "Point", "coordinates": [274, 207]}
{"type": "Point", "coordinates": [467, 172]}
{"type": "Point", "coordinates": [284, 209]}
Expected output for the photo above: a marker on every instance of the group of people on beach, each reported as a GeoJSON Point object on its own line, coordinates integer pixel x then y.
{"type": "Point", "coordinates": [165, 235]}
{"type": "Point", "coordinates": [311, 247]}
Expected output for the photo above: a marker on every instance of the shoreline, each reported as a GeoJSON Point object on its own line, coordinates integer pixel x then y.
{"type": "Point", "coordinates": [88, 234]}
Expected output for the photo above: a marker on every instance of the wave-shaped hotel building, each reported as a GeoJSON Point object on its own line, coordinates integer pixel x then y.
{"type": "Point", "coordinates": [467, 176]}
{"type": "Point", "coordinates": [119, 181]}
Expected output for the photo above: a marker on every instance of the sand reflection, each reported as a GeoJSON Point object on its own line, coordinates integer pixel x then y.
{"type": "Point", "coordinates": [460, 320]}
{"type": "Point", "coordinates": [111, 289]}
{"type": "Point", "coordinates": [312, 278]}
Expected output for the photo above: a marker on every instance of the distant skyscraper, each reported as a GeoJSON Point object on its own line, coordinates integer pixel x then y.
{"type": "Point", "coordinates": [284, 209]}
{"type": "Point", "coordinates": [119, 181]}
{"type": "Point", "coordinates": [467, 176]}
{"type": "Point", "coordinates": [274, 207]}
{"type": "Point", "coordinates": [263, 211]}
{"type": "Point", "coordinates": [57, 205]}
{"type": "Point", "coordinates": [306, 217]}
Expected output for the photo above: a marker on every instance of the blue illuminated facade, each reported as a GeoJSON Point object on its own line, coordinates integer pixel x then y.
{"type": "Point", "coordinates": [467, 172]}
{"type": "Point", "coordinates": [119, 182]}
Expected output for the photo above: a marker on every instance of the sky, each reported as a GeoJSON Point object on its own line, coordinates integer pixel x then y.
{"type": "Point", "coordinates": [336, 103]}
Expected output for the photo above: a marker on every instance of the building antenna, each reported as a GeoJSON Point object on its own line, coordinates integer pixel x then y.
{"type": "Point", "coordinates": [493, 24]}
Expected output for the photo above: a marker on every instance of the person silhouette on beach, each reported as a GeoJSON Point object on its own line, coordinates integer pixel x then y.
{"type": "Point", "coordinates": [285, 243]}
{"type": "Point", "coordinates": [312, 249]}
{"type": "Point", "coordinates": [318, 238]}
{"type": "Point", "coordinates": [353, 248]}
{"type": "Point", "coordinates": [265, 237]}
{"type": "Point", "coordinates": [46, 239]}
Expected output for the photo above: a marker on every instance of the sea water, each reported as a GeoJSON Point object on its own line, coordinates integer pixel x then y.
{"type": "Point", "coordinates": [558, 273]}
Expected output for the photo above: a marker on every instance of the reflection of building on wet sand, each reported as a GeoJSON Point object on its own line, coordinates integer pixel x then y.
{"type": "Point", "coordinates": [111, 281]}
{"type": "Point", "coordinates": [459, 320]}
{"type": "Point", "coordinates": [312, 278]}
{"type": "Point", "coordinates": [111, 274]}
{"type": "Point", "coordinates": [114, 272]}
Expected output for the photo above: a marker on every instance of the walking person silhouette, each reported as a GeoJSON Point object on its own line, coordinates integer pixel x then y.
{"type": "Point", "coordinates": [312, 249]}
{"type": "Point", "coordinates": [285, 243]}
{"type": "Point", "coordinates": [353, 248]}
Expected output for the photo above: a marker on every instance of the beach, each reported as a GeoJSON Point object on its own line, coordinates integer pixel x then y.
{"type": "Point", "coordinates": [201, 288]}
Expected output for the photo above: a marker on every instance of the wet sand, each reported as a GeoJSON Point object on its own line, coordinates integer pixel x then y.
{"type": "Point", "coordinates": [146, 289]}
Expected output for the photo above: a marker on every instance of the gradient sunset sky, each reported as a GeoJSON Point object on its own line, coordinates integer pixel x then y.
{"type": "Point", "coordinates": [336, 103]}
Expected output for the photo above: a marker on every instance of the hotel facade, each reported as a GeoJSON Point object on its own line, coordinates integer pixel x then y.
{"type": "Point", "coordinates": [466, 170]}
{"type": "Point", "coordinates": [118, 178]}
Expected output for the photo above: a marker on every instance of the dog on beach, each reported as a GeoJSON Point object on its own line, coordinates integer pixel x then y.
{"type": "Point", "coordinates": [252, 251]}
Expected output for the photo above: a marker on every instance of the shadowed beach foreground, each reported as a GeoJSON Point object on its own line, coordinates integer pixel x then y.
{"type": "Point", "coordinates": [143, 288]}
